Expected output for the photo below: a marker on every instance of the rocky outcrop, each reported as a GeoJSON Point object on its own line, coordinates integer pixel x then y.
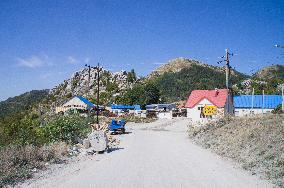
{"type": "Point", "coordinates": [81, 84]}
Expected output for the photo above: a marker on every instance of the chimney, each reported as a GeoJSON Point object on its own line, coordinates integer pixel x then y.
{"type": "Point", "coordinates": [216, 92]}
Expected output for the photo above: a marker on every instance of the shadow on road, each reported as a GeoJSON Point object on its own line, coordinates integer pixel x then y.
{"type": "Point", "coordinates": [114, 149]}
{"type": "Point", "coordinates": [119, 133]}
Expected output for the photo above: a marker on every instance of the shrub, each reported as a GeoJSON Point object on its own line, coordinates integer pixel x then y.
{"type": "Point", "coordinates": [67, 128]}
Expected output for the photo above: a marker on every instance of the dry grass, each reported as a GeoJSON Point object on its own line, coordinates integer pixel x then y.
{"type": "Point", "coordinates": [19, 162]}
{"type": "Point", "coordinates": [257, 143]}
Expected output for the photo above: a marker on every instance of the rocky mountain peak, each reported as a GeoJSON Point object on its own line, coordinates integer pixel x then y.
{"type": "Point", "coordinates": [174, 65]}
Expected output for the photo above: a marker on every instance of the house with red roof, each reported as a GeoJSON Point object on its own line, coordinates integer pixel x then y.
{"type": "Point", "coordinates": [205, 105]}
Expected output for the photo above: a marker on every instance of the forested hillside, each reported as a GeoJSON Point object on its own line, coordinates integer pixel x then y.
{"type": "Point", "coordinates": [21, 102]}
{"type": "Point", "coordinates": [175, 86]}
{"type": "Point", "coordinates": [270, 72]}
{"type": "Point", "coordinates": [175, 80]}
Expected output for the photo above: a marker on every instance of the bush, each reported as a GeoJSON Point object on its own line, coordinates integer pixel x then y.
{"type": "Point", "coordinates": [67, 129]}
{"type": "Point", "coordinates": [277, 110]}
{"type": "Point", "coordinates": [24, 131]}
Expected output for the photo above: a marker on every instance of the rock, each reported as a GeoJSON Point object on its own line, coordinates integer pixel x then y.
{"type": "Point", "coordinates": [98, 140]}
{"type": "Point", "coordinates": [90, 151]}
{"type": "Point", "coordinates": [86, 143]}
{"type": "Point", "coordinates": [75, 148]}
{"type": "Point", "coordinates": [84, 153]}
{"type": "Point", "coordinates": [34, 170]}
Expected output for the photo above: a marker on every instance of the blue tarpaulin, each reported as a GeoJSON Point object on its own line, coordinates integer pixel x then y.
{"type": "Point", "coordinates": [259, 101]}
{"type": "Point", "coordinates": [86, 101]}
{"type": "Point", "coordinates": [125, 107]}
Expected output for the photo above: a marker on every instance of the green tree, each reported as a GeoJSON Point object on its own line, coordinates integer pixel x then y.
{"type": "Point", "coordinates": [151, 94]}
{"type": "Point", "coordinates": [131, 76]}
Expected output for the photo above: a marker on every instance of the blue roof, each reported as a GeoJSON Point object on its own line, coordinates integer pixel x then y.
{"type": "Point", "coordinates": [125, 107]}
{"type": "Point", "coordinates": [245, 101]}
{"type": "Point", "coordinates": [137, 107]}
{"type": "Point", "coordinates": [160, 106]}
{"type": "Point", "coordinates": [86, 101]}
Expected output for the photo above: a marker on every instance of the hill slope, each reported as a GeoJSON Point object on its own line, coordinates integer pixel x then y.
{"type": "Point", "coordinates": [22, 102]}
{"type": "Point", "coordinates": [180, 76]}
{"type": "Point", "coordinates": [254, 142]}
{"type": "Point", "coordinates": [271, 72]}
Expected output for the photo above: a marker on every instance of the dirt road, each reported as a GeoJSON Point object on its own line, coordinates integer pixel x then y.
{"type": "Point", "coordinates": [152, 155]}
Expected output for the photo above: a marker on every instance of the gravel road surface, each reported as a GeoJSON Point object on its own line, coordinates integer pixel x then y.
{"type": "Point", "coordinates": [157, 154]}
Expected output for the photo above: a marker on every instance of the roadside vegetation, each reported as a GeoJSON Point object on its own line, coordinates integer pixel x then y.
{"type": "Point", "coordinates": [19, 162]}
{"type": "Point", "coordinates": [27, 143]}
{"type": "Point", "coordinates": [256, 143]}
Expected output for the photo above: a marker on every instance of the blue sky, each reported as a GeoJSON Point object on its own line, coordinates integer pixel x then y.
{"type": "Point", "coordinates": [44, 42]}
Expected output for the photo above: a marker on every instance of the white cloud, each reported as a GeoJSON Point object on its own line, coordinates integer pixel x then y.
{"type": "Point", "coordinates": [72, 60]}
{"type": "Point", "coordinates": [32, 62]}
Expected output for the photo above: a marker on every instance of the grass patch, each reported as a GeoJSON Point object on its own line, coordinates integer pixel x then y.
{"type": "Point", "coordinates": [19, 162]}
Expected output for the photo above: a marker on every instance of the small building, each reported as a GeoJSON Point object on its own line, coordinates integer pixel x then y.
{"type": "Point", "coordinates": [161, 111]}
{"type": "Point", "coordinates": [77, 104]}
{"type": "Point", "coordinates": [121, 109]}
{"type": "Point", "coordinates": [255, 104]}
{"type": "Point", "coordinates": [160, 107]}
{"type": "Point", "coordinates": [205, 105]}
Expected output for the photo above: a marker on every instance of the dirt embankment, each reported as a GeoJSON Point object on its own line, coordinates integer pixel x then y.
{"type": "Point", "coordinates": [257, 143]}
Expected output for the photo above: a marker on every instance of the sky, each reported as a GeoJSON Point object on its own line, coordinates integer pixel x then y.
{"type": "Point", "coordinates": [43, 43]}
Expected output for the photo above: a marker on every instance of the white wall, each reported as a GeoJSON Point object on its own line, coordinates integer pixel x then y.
{"type": "Point", "coordinates": [194, 113]}
{"type": "Point", "coordinates": [247, 111]}
{"type": "Point", "coordinates": [74, 103]}
{"type": "Point", "coordinates": [165, 115]}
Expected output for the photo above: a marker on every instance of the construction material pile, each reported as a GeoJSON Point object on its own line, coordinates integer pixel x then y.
{"type": "Point", "coordinates": [257, 143]}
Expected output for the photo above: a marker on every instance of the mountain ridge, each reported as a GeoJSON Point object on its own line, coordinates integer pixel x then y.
{"type": "Point", "coordinates": [175, 78]}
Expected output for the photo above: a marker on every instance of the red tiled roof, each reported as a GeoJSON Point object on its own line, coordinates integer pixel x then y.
{"type": "Point", "coordinates": [217, 97]}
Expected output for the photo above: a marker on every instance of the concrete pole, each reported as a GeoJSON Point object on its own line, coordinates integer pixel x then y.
{"type": "Point", "coordinates": [227, 69]}
{"type": "Point", "coordinates": [262, 100]}
{"type": "Point", "coordinates": [227, 81]}
{"type": "Point", "coordinates": [252, 100]}
{"type": "Point", "coordinates": [282, 98]}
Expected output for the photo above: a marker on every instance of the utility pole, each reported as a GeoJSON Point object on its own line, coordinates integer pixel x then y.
{"type": "Point", "coordinates": [282, 98]}
{"type": "Point", "coordinates": [227, 69]}
{"type": "Point", "coordinates": [228, 77]}
{"type": "Point", "coordinates": [282, 87]}
{"type": "Point", "coordinates": [99, 69]}
{"type": "Point", "coordinates": [262, 100]}
{"type": "Point", "coordinates": [89, 78]}
{"type": "Point", "coordinates": [252, 96]}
